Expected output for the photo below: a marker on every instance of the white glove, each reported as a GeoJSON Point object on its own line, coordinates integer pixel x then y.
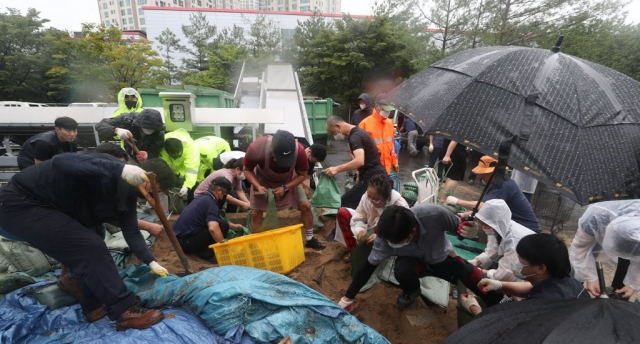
{"type": "Point", "coordinates": [451, 200]}
{"type": "Point", "coordinates": [468, 229]}
{"type": "Point", "coordinates": [474, 262]}
{"type": "Point", "coordinates": [183, 192]}
{"type": "Point", "coordinates": [431, 148]}
{"type": "Point", "coordinates": [158, 269]}
{"type": "Point", "coordinates": [346, 305]}
{"type": "Point", "coordinates": [124, 134]}
{"type": "Point", "coordinates": [486, 285]}
{"type": "Point", "coordinates": [134, 175]}
{"type": "Point", "coordinates": [467, 300]}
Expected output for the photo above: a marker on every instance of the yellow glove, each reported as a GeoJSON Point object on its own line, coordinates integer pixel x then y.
{"type": "Point", "coordinates": [158, 269]}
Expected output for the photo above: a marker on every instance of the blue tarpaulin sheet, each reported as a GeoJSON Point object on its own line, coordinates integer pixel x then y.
{"type": "Point", "coordinates": [228, 304]}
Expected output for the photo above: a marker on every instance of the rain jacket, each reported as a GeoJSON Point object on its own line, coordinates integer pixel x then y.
{"type": "Point", "coordinates": [122, 107]}
{"type": "Point", "coordinates": [210, 147]}
{"type": "Point", "coordinates": [135, 122]}
{"type": "Point", "coordinates": [496, 214]}
{"type": "Point", "coordinates": [367, 215]}
{"type": "Point", "coordinates": [587, 244]}
{"type": "Point", "coordinates": [188, 164]}
{"type": "Point", "coordinates": [361, 114]}
{"type": "Point", "coordinates": [382, 132]}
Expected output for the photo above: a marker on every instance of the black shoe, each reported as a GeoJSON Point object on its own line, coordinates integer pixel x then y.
{"type": "Point", "coordinates": [314, 244]}
{"type": "Point", "coordinates": [406, 300]}
{"type": "Point", "coordinates": [331, 236]}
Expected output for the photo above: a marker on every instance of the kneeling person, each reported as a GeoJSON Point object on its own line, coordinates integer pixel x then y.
{"type": "Point", "coordinates": [200, 224]}
{"type": "Point", "coordinates": [417, 237]}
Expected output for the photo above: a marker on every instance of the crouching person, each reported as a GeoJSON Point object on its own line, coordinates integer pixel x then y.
{"type": "Point", "coordinates": [354, 224]}
{"type": "Point", "coordinates": [53, 205]}
{"type": "Point", "coordinates": [543, 262]}
{"type": "Point", "coordinates": [200, 224]}
{"type": "Point", "coordinates": [417, 237]}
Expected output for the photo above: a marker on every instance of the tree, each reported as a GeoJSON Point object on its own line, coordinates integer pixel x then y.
{"type": "Point", "coordinates": [199, 35]}
{"type": "Point", "coordinates": [25, 55]}
{"type": "Point", "coordinates": [170, 43]}
{"type": "Point", "coordinates": [450, 22]}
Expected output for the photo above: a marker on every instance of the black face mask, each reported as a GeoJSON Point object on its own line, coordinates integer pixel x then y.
{"type": "Point", "coordinates": [222, 200]}
{"type": "Point", "coordinates": [130, 103]}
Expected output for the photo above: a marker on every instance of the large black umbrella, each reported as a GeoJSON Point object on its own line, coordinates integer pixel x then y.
{"type": "Point", "coordinates": [573, 124]}
{"type": "Point", "coordinates": [563, 322]}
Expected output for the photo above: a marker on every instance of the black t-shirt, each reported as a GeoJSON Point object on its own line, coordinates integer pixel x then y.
{"type": "Point", "coordinates": [45, 151]}
{"type": "Point", "coordinates": [360, 139]}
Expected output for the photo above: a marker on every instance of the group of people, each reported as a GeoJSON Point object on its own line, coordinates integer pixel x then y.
{"type": "Point", "coordinates": [60, 199]}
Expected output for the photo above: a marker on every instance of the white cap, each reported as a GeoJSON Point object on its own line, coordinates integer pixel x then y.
{"type": "Point", "coordinates": [622, 238]}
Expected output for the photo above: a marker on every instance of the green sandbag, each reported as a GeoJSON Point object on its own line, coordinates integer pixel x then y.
{"type": "Point", "coordinates": [360, 254]}
{"type": "Point", "coordinates": [236, 233]}
{"type": "Point", "coordinates": [52, 296]}
{"type": "Point", "coordinates": [327, 194]}
{"type": "Point", "coordinates": [271, 220]}
{"type": "Point", "coordinates": [13, 281]}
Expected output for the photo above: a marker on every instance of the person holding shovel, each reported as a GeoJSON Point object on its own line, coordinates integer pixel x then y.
{"type": "Point", "coordinates": [144, 129]}
{"type": "Point", "coordinates": [279, 163]}
{"type": "Point", "coordinates": [52, 205]}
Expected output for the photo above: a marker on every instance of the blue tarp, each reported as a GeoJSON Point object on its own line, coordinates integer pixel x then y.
{"type": "Point", "coordinates": [228, 304]}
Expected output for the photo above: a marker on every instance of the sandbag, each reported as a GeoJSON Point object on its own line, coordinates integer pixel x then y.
{"type": "Point", "coordinates": [327, 194]}
{"type": "Point", "coordinates": [11, 282]}
{"type": "Point", "coordinates": [176, 202]}
{"type": "Point", "coordinates": [271, 220]}
{"type": "Point", "coordinates": [52, 296]}
{"type": "Point", "coordinates": [26, 258]}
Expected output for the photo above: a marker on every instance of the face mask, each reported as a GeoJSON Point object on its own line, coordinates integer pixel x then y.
{"type": "Point", "coordinates": [363, 106]}
{"type": "Point", "coordinates": [242, 176]}
{"type": "Point", "coordinates": [130, 103]}
{"type": "Point", "coordinates": [338, 137]}
{"type": "Point", "coordinates": [516, 268]}
{"type": "Point", "coordinates": [489, 231]}
{"type": "Point", "coordinates": [403, 244]}
{"type": "Point", "coordinates": [148, 131]}
{"type": "Point", "coordinates": [384, 114]}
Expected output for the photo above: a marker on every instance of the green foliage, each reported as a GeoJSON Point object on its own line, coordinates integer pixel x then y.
{"type": "Point", "coordinates": [199, 35]}
{"type": "Point", "coordinates": [170, 43]}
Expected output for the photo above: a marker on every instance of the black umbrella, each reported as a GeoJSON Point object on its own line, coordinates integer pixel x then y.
{"type": "Point", "coordinates": [549, 321]}
{"type": "Point", "coordinates": [573, 124]}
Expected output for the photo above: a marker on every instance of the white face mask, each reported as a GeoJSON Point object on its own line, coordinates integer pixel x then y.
{"type": "Point", "coordinates": [148, 131]}
{"type": "Point", "coordinates": [516, 268]}
{"type": "Point", "coordinates": [338, 137]}
{"type": "Point", "coordinates": [242, 176]}
{"type": "Point", "coordinates": [384, 114]}
{"type": "Point", "coordinates": [363, 106]}
{"type": "Point", "coordinates": [400, 245]}
{"type": "Point", "coordinates": [489, 231]}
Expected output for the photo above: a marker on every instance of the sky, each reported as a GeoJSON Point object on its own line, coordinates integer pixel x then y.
{"type": "Point", "coordinates": [70, 14]}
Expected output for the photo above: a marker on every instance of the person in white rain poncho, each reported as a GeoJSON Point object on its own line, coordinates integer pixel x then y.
{"type": "Point", "coordinates": [503, 235]}
{"type": "Point", "coordinates": [608, 229]}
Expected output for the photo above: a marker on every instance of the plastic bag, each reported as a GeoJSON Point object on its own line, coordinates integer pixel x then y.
{"type": "Point", "coordinates": [327, 194]}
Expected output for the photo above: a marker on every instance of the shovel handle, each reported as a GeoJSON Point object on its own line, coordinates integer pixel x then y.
{"type": "Point", "coordinates": [132, 143]}
{"type": "Point", "coordinates": [155, 203]}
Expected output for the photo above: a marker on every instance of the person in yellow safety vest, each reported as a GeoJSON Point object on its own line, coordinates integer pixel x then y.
{"type": "Point", "coordinates": [182, 154]}
{"type": "Point", "coordinates": [210, 147]}
{"type": "Point", "coordinates": [129, 100]}
{"type": "Point", "coordinates": [380, 128]}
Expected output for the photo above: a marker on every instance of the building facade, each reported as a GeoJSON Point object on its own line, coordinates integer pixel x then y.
{"type": "Point", "coordinates": [129, 14]}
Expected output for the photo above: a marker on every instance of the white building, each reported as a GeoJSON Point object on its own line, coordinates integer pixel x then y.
{"type": "Point", "coordinates": [129, 14]}
{"type": "Point", "coordinates": [158, 19]}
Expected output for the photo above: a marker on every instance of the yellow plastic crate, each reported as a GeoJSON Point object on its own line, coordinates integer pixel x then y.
{"type": "Point", "coordinates": [278, 250]}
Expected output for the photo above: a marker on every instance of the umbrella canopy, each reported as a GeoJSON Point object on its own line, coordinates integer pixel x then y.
{"type": "Point", "coordinates": [577, 122]}
{"type": "Point", "coordinates": [551, 321]}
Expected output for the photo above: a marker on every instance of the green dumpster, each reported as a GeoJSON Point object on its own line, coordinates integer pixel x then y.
{"type": "Point", "coordinates": [317, 113]}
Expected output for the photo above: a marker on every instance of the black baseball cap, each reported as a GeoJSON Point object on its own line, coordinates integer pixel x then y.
{"type": "Point", "coordinates": [283, 145]}
{"type": "Point", "coordinates": [223, 183]}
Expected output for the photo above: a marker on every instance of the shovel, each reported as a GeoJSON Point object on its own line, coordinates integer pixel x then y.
{"type": "Point", "coordinates": [155, 203]}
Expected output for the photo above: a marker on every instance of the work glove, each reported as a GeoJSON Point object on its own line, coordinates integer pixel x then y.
{"type": "Point", "coordinates": [486, 285]}
{"type": "Point", "coordinates": [468, 229]}
{"type": "Point", "coordinates": [451, 200]}
{"type": "Point", "coordinates": [158, 269]}
{"type": "Point", "coordinates": [431, 148]}
{"type": "Point", "coordinates": [467, 300]}
{"type": "Point", "coordinates": [346, 305]}
{"type": "Point", "coordinates": [396, 168]}
{"type": "Point", "coordinates": [124, 134]}
{"type": "Point", "coordinates": [134, 175]}
{"type": "Point", "coordinates": [183, 192]}
{"type": "Point", "coordinates": [142, 157]}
